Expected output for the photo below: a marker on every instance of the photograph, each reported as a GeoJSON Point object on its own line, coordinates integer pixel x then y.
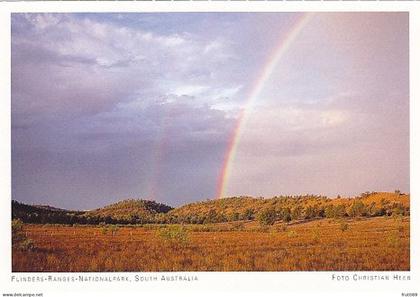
{"type": "Point", "coordinates": [210, 141]}
{"type": "Point", "coordinates": [209, 148]}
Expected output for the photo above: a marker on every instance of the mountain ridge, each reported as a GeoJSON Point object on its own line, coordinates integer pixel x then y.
{"type": "Point", "coordinates": [285, 208]}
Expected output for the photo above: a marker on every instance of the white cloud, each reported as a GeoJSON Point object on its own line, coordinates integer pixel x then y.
{"type": "Point", "coordinates": [190, 90]}
{"type": "Point", "coordinates": [123, 61]}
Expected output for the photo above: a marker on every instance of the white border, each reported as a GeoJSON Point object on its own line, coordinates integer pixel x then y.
{"type": "Point", "coordinates": [243, 283]}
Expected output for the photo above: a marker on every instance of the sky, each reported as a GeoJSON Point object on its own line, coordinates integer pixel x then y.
{"type": "Point", "coordinates": [110, 106]}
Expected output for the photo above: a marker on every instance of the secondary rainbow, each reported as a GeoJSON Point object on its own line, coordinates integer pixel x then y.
{"type": "Point", "coordinates": [279, 51]}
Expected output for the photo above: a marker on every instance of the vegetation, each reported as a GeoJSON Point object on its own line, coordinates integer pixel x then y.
{"type": "Point", "coordinates": [368, 243]}
{"type": "Point", "coordinates": [174, 235]}
{"type": "Point", "coordinates": [266, 211]}
{"type": "Point", "coordinates": [344, 226]}
{"type": "Point", "coordinates": [19, 238]}
{"type": "Point", "coordinates": [267, 216]}
{"type": "Point", "coordinates": [368, 232]}
{"type": "Point", "coordinates": [124, 212]}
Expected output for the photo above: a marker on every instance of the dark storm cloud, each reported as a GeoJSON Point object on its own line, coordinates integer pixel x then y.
{"type": "Point", "coordinates": [91, 124]}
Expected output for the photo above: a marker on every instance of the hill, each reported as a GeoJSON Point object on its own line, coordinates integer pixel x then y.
{"type": "Point", "coordinates": [130, 210]}
{"type": "Point", "coordinates": [288, 208]}
{"type": "Point", "coordinates": [42, 213]}
{"type": "Point", "coordinates": [123, 212]}
{"type": "Point", "coordinates": [267, 211]}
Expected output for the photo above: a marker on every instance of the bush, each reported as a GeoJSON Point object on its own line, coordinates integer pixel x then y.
{"type": "Point", "coordinates": [17, 232]}
{"type": "Point", "coordinates": [27, 245]}
{"type": "Point", "coordinates": [175, 235]}
{"type": "Point", "coordinates": [104, 230]}
{"type": "Point", "coordinates": [267, 217]}
{"type": "Point", "coordinates": [296, 213]}
{"type": "Point", "coordinates": [248, 214]}
{"type": "Point", "coordinates": [344, 226]}
{"type": "Point", "coordinates": [398, 210]}
{"type": "Point", "coordinates": [19, 239]}
{"type": "Point", "coordinates": [330, 211]}
{"type": "Point", "coordinates": [357, 209]}
{"type": "Point", "coordinates": [114, 229]}
{"type": "Point", "coordinates": [286, 215]}
{"type": "Point", "coordinates": [339, 211]}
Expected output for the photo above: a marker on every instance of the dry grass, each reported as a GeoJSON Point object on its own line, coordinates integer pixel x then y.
{"type": "Point", "coordinates": [367, 244]}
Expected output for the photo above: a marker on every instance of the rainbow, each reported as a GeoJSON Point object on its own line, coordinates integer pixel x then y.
{"type": "Point", "coordinates": [283, 45]}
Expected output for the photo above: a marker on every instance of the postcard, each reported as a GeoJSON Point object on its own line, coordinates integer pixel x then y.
{"type": "Point", "coordinates": [200, 148]}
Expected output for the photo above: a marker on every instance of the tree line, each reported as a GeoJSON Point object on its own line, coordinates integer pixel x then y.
{"type": "Point", "coordinates": [266, 211]}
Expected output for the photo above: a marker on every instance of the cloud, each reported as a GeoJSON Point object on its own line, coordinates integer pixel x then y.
{"type": "Point", "coordinates": [95, 100]}
{"type": "Point", "coordinates": [92, 66]}
{"type": "Point", "coordinates": [107, 106]}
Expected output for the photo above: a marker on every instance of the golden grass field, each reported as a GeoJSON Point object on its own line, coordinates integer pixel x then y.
{"type": "Point", "coordinates": [380, 243]}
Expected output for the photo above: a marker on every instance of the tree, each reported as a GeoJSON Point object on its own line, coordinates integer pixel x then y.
{"type": "Point", "coordinates": [212, 216]}
{"type": "Point", "coordinates": [309, 212]}
{"type": "Point", "coordinates": [286, 215]}
{"type": "Point", "coordinates": [296, 212]}
{"type": "Point", "coordinates": [234, 216]}
{"type": "Point", "coordinates": [19, 239]}
{"type": "Point", "coordinates": [398, 209]}
{"type": "Point", "coordinates": [267, 216]}
{"type": "Point", "coordinates": [248, 214]}
{"type": "Point", "coordinates": [357, 209]}
{"type": "Point", "coordinates": [330, 211]}
{"type": "Point", "coordinates": [339, 211]}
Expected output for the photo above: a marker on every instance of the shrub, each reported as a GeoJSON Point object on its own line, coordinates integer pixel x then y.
{"type": "Point", "coordinates": [398, 210]}
{"type": "Point", "coordinates": [174, 235]}
{"type": "Point", "coordinates": [339, 211]}
{"type": "Point", "coordinates": [19, 239]}
{"type": "Point", "coordinates": [296, 213]}
{"type": "Point", "coordinates": [235, 216]}
{"type": "Point", "coordinates": [114, 229]}
{"type": "Point", "coordinates": [104, 229]}
{"type": "Point", "coordinates": [286, 215]}
{"type": "Point", "coordinates": [357, 209]}
{"type": "Point", "coordinates": [267, 217]}
{"type": "Point", "coordinates": [309, 212]}
{"type": "Point", "coordinates": [329, 211]}
{"type": "Point", "coordinates": [17, 231]}
{"type": "Point", "coordinates": [27, 245]}
{"type": "Point", "coordinates": [248, 214]}
{"type": "Point", "coordinates": [344, 226]}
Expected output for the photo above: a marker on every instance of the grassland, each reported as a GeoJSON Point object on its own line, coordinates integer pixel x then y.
{"type": "Point", "coordinates": [377, 243]}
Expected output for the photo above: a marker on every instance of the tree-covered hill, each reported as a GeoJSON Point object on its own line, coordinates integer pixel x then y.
{"type": "Point", "coordinates": [288, 208]}
{"type": "Point", "coordinates": [265, 210]}
{"type": "Point", "coordinates": [43, 214]}
{"type": "Point", "coordinates": [131, 210]}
